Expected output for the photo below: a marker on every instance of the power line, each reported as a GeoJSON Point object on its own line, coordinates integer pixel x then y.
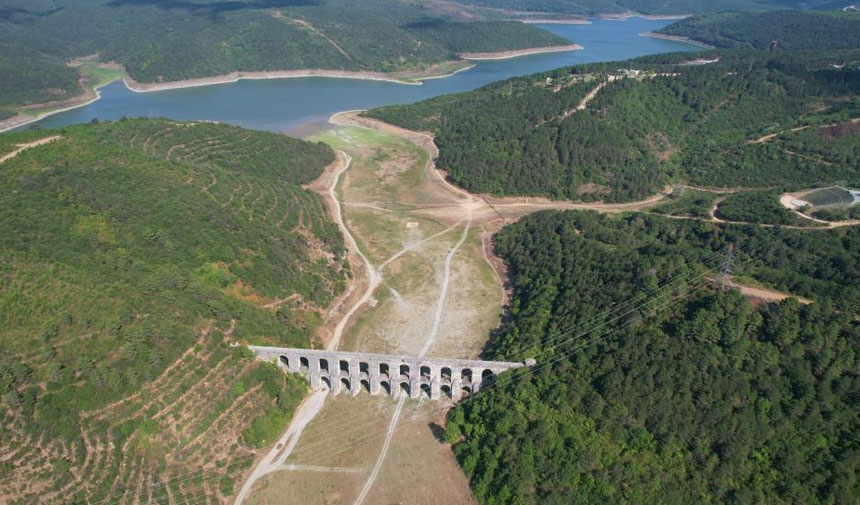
{"type": "Point", "coordinates": [558, 333]}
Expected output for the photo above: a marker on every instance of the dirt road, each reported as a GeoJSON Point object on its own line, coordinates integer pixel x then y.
{"type": "Point", "coordinates": [312, 405]}
{"type": "Point", "coordinates": [23, 147]}
{"type": "Point", "coordinates": [484, 209]}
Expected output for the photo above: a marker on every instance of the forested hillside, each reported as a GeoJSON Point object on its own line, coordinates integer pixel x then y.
{"type": "Point", "coordinates": [688, 395]}
{"type": "Point", "coordinates": [28, 76]}
{"type": "Point", "coordinates": [622, 130]}
{"type": "Point", "coordinates": [166, 40]}
{"type": "Point", "coordinates": [779, 30]}
{"type": "Point", "coordinates": [132, 252]}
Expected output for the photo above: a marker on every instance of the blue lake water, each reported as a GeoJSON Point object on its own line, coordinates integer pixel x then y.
{"type": "Point", "coordinates": [282, 105]}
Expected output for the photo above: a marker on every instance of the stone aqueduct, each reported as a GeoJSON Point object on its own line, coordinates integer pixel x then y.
{"type": "Point", "coordinates": [390, 374]}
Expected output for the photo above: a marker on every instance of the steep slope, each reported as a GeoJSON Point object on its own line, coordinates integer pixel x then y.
{"type": "Point", "coordinates": [620, 131]}
{"type": "Point", "coordinates": [133, 253]}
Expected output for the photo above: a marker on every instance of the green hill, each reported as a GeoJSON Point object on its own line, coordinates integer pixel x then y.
{"type": "Point", "coordinates": [131, 252]}
{"type": "Point", "coordinates": [32, 77]}
{"type": "Point", "coordinates": [736, 118]}
{"type": "Point", "coordinates": [686, 395]}
{"type": "Point", "coordinates": [781, 30]}
{"type": "Point", "coordinates": [167, 40]}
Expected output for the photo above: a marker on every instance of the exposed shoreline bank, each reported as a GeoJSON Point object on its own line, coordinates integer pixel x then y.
{"type": "Point", "coordinates": [552, 21]}
{"type": "Point", "coordinates": [87, 97]}
{"type": "Point", "coordinates": [90, 96]}
{"type": "Point", "coordinates": [678, 38]}
{"type": "Point", "coordinates": [586, 20]}
{"type": "Point", "coordinates": [284, 74]}
{"type": "Point", "coordinates": [406, 78]}
{"type": "Point", "coordinates": [504, 55]}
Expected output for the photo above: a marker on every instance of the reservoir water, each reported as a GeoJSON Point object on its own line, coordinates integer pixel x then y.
{"type": "Point", "coordinates": [282, 105]}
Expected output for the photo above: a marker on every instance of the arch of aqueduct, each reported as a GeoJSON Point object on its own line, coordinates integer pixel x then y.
{"type": "Point", "coordinates": [390, 374]}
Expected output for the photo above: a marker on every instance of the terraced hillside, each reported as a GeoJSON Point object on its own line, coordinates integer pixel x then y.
{"type": "Point", "coordinates": [134, 255]}
{"type": "Point", "coordinates": [622, 130]}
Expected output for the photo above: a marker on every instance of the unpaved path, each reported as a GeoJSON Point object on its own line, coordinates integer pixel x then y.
{"type": "Point", "coordinates": [769, 136]}
{"type": "Point", "coordinates": [431, 338]}
{"type": "Point", "coordinates": [23, 147]}
{"type": "Point", "coordinates": [589, 97]}
{"type": "Point", "coordinates": [311, 406]}
{"type": "Point", "coordinates": [273, 461]}
{"type": "Point", "coordinates": [373, 277]}
{"type": "Point", "coordinates": [482, 208]}
{"type": "Point", "coordinates": [334, 44]}
{"type": "Point", "coordinates": [762, 293]}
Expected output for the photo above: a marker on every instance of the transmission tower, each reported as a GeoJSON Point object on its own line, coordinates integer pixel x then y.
{"type": "Point", "coordinates": [726, 268]}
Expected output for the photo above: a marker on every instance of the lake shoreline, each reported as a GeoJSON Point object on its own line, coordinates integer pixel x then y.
{"type": "Point", "coordinates": [232, 77]}
{"type": "Point", "coordinates": [504, 55]}
{"type": "Point", "coordinates": [86, 98]}
{"type": "Point", "coordinates": [678, 38]}
{"type": "Point", "coordinates": [45, 116]}
{"type": "Point", "coordinates": [405, 77]}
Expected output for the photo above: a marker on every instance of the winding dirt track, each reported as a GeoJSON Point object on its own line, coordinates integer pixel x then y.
{"type": "Point", "coordinates": [23, 147]}
{"type": "Point", "coordinates": [311, 406]}
{"type": "Point", "coordinates": [465, 210]}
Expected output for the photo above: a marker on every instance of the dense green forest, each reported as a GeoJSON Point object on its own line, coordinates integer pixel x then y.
{"type": "Point", "coordinates": [594, 7]}
{"type": "Point", "coordinates": [697, 396]}
{"type": "Point", "coordinates": [131, 251]}
{"type": "Point", "coordinates": [752, 118]}
{"type": "Point", "coordinates": [27, 76]}
{"type": "Point", "coordinates": [168, 40]}
{"type": "Point", "coordinates": [779, 30]}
